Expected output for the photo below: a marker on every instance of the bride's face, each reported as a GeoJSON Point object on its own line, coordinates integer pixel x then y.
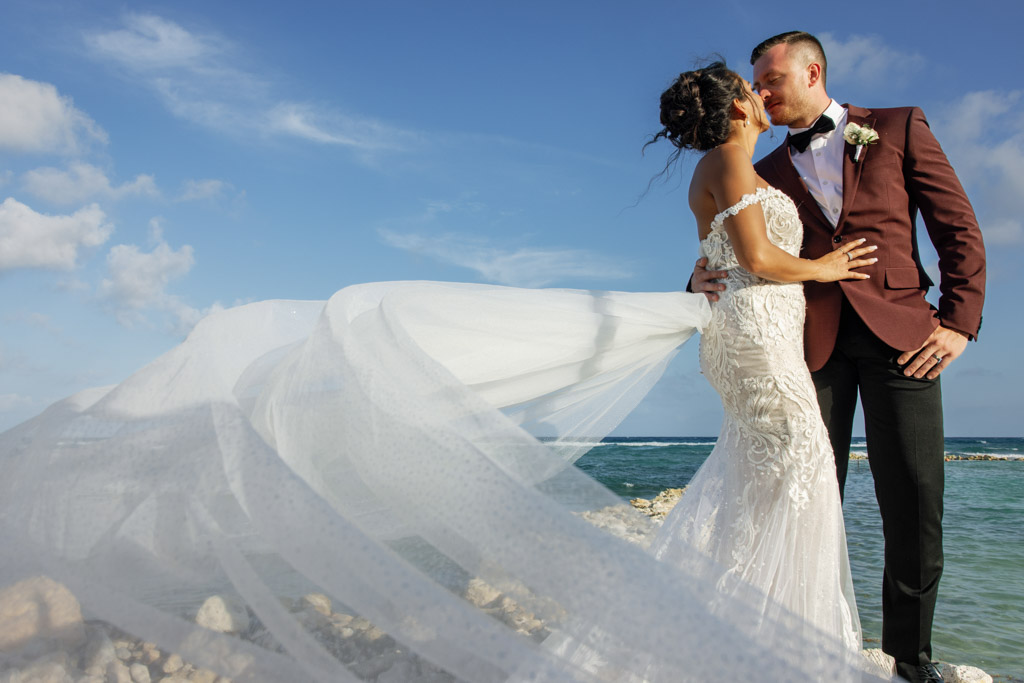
{"type": "Point", "coordinates": [755, 107]}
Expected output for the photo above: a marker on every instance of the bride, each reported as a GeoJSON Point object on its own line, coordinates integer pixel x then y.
{"type": "Point", "coordinates": [765, 504]}
{"type": "Point", "coordinates": [376, 453]}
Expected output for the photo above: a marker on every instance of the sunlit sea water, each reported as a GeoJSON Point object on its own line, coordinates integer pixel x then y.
{"type": "Point", "coordinates": [980, 614]}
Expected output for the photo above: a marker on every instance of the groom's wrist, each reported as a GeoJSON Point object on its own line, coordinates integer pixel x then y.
{"type": "Point", "coordinates": [967, 335]}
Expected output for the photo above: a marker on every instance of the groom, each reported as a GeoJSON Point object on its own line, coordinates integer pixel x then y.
{"type": "Point", "coordinates": [878, 336]}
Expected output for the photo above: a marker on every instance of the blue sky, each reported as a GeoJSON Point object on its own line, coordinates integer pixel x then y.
{"type": "Point", "coordinates": [162, 160]}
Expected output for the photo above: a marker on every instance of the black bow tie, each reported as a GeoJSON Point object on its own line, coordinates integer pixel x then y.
{"type": "Point", "coordinates": [800, 140]}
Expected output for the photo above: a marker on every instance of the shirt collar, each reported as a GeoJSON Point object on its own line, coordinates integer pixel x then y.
{"type": "Point", "coordinates": [834, 111]}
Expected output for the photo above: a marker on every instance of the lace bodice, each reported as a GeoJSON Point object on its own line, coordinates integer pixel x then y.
{"type": "Point", "coordinates": [780, 216]}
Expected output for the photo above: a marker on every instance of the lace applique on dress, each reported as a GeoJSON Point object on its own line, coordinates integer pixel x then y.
{"type": "Point", "coordinates": [769, 484]}
{"type": "Point", "coordinates": [780, 217]}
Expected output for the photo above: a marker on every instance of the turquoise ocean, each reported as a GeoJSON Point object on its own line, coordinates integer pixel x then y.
{"type": "Point", "coordinates": [980, 614]}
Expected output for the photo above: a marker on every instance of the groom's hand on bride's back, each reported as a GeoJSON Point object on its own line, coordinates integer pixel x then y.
{"type": "Point", "coordinates": [705, 281]}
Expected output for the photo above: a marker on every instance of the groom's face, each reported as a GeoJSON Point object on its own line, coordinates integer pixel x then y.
{"type": "Point", "coordinates": [782, 80]}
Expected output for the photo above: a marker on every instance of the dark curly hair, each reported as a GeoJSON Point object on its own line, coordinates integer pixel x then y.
{"type": "Point", "coordinates": [695, 109]}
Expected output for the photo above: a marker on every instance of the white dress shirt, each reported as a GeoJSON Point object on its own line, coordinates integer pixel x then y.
{"type": "Point", "coordinates": [821, 165]}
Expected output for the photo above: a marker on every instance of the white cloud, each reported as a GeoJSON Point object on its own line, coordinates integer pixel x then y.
{"type": "Point", "coordinates": [137, 282]}
{"type": "Point", "coordinates": [523, 267]}
{"type": "Point", "coordinates": [193, 190]}
{"type": "Point", "coordinates": [198, 79]}
{"type": "Point", "coordinates": [33, 240]}
{"type": "Point", "coordinates": [306, 122]}
{"type": "Point", "coordinates": [81, 182]}
{"type": "Point", "coordinates": [866, 61]}
{"type": "Point", "coordinates": [982, 133]}
{"type": "Point", "coordinates": [35, 118]}
{"type": "Point", "coordinates": [149, 42]}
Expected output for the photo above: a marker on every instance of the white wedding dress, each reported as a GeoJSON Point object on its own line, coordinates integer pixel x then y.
{"type": "Point", "coordinates": [379, 448]}
{"type": "Point", "coordinates": [765, 504]}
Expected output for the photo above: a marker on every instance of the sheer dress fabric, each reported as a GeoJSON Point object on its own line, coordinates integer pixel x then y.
{"type": "Point", "coordinates": [381, 448]}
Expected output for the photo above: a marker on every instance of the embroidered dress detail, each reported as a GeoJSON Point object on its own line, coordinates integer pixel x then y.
{"type": "Point", "coordinates": [765, 505]}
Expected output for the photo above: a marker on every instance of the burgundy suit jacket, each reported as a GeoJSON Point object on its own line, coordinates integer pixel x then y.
{"type": "Point", "coordinates": [903, 173]}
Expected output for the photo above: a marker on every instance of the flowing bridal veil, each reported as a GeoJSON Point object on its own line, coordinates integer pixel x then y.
{"type": "Point", "coordinates": [378, 453]}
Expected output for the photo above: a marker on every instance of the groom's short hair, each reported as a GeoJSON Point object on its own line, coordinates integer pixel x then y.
{"type": "Point", "coordinates": [801, 39]}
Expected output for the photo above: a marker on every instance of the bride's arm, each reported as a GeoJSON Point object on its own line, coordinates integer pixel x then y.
{"type": "Point", "coordinates": [727, 178]}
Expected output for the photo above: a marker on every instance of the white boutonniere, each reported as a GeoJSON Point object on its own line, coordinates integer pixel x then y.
{"type": "Point", "coordinates": [860, 136]}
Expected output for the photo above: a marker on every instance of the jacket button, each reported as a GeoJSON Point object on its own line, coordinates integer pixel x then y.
{"type": "Point", "coordinates": [837, 239]}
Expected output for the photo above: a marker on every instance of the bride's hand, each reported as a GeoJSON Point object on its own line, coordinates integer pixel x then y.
{"type": "Point", "coordinates": [840, 263]}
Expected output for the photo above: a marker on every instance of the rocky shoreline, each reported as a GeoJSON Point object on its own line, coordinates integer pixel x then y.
{"type": "Point", "coordinates": [953, 457]}
{"type": "Point", "coordinates": [44, 638]}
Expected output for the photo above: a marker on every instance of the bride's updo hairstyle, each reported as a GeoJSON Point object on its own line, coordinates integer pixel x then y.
{"type": "Point", "coordinates": [695, 110]}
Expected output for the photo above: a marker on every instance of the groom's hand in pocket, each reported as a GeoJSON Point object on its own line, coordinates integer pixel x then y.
{"type": "Point", "coordinates": [943, 343]}
{"type": "Point", "coordinates": [705, 281]}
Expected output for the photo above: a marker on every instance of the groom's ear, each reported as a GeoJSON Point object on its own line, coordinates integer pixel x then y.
{"type": "Point", "coordinates": [814, 74]}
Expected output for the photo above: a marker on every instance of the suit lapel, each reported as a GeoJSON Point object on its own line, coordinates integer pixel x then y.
{"type": "Point", "coordinates": [852, 170]}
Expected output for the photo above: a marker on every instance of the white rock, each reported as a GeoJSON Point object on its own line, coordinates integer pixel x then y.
{"type": "Point", "coordinates": [318, 601]}
{"type": "Point", "coordinates": [172, 664]}
{"type": "Point", "coordinates": [661, 505]}
{"type": "Point", "coordinates": [44, 670]}
{"type": "Point", "coordinates": [480, 593]}
{"type": "Point", "coordinates": [117, 672]}
{"type": "Point", "coordinates": [341, 620]}
{"type": "Point", "coordinates": [202, 676]}
{"type": "Point", "coordinates": [881, 665]}
{"type": "Point", "coordinates": [149, 654]}
{"type": "Point", "coordinates": [964, 674]}
{"type": "Point", "coordinates": [223, 614]}
{"type": "Point", "coordinates": [665, 501]}
{"type": "Point", "coordinates": [39, 608]}
{"type": "Point", "coordinates": [140, 673]}
{"type": "Point", "coordinates": [878, 662]}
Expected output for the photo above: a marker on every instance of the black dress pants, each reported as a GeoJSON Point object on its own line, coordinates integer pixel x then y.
{"type": "Point", "coordinates": [903, 426]}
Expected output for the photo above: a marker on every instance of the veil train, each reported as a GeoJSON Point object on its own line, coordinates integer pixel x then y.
{"type": "Point", "coordinates": [376, 487]}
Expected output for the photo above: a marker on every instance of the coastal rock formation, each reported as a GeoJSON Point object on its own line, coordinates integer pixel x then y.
{"type": "Point", "coordinates": [70, 649]}
{"type": "Point", "coordinates": [623, 522]}
{"type": "Point", "coordinates": [954, 457]}
{"type": "Point", "coordinates": [960, 673]}
{"type": "Point", "coordinates": [881, 664]}
{"type": "Point", "coordinates": [38, 610]}
{"type": "Point", "coordinates": [983, 457]}
{"type": "Point", "coordinates": [224, 615]}
{"type": "Point", "coordinates": [661, 505]}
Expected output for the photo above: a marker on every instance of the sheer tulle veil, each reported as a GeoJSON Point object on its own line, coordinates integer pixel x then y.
{"type": "Point", "coordinates": [381, 450]}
